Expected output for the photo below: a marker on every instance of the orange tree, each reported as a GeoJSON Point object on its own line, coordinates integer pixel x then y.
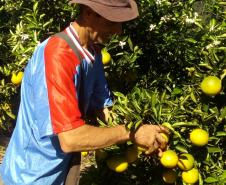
{"type": "Point", "coordinates": [24, 24]}
{"type": "Point", "coordinates": [177, 63]}
{"type": "Point", "coordinates": [156, 72]}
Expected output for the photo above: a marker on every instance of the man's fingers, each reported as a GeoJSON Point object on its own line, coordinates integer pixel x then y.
{"type": "Point", "coordinates": [153, 148]}
{"type": "Point", "coordinates": [161, 140]}
{"type": "Point", "coordinates": [160, 152]}
{"type": "Point", "coordinates": [161, 129]}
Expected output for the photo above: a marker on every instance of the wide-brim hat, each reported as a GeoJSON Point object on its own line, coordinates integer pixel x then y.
{"type": "Point", "coordinates": [113, 10]}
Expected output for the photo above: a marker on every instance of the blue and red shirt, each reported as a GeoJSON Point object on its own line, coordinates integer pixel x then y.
{"type": "Point", "coordinates": [57, 90]}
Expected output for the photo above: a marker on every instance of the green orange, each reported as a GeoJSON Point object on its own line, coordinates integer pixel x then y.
{"type": "Point", "coordinates": [100, 155]}
{"type": "Point", "coordinates": [131, 154]}
{"type": "Point", "coordinates": [169, 176]}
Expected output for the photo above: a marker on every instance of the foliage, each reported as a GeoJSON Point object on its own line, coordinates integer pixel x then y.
{"type": "Point", "coordinates": [155, 73]}
{"type": "Point", "coordinates": [24, 25]}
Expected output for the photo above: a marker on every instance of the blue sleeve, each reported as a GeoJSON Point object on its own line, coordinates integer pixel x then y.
{"type": "Point", "coordinates": [102, 96]}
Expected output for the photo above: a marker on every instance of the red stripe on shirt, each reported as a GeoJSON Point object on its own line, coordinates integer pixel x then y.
{"type": "Point", "coordinates": [60, 70]}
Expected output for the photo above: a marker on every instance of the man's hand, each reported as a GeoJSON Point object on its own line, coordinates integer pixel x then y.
{"type": "Point", "coordinates": [149, 136]}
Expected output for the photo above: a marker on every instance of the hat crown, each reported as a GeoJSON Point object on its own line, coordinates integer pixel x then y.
{"type": "Point", "coordinates": [115, 3]}
{"type": "Point", "coordinates": [112, 10]}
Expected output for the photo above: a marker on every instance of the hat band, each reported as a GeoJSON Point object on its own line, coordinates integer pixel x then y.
{"type": "Point", "coordinates": [112, 3]}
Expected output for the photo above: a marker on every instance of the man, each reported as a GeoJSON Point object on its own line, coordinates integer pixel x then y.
{"type": "Point", "coordinates": [58, 90]}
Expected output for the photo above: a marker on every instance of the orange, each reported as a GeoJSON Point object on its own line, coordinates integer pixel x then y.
{"type": "Point", "coordinates": [211, 85]}
{"type": "Point", "coordinates": [169, 176]}
{"type": "Point", "coordinates": [106, 57]}
{"type": "Point", "coordinates": [131, 154]}
{"type": "Point", "coordinates": [118, 164]}
{"type": "Point", "coordinates": [190, 176]}
{"type": "Point", "coordinates": [186, 162]}
{"type": "Point", "coordinates": [84, 153]}
{"type": "Point", "coordinates": [169, 159]}
{"type": "Point", "coordinates": [199, 137]}
{"type": "Point", "coordinates": [17, 78]}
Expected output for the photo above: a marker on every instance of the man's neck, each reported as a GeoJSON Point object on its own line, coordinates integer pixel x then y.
{"type": "Point", "coordinates": [83, 34]}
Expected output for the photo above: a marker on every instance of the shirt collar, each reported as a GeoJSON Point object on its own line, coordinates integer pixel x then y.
{"type": "Point", "coordinates": [73, 34]}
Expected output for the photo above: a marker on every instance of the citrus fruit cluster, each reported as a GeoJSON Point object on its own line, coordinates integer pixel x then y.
{"type": "Point", "coordinates": [184, 161]}
{"type": "Point", "coordinates": [120, 163]}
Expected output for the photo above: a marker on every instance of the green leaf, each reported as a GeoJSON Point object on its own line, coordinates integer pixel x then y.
{"type": "Point", "coordinates": [130, 44]}
{"type": "Point", "coordinates": [214, 150]}
{"type": "Point", "coordinates": [179, 124]}
{"type": "Point", "coordinates": [11, 115]}
{"type": "Point", "coordinates": [130, 125]}
{"type": "Point", "coordinates": [210, 180]}
{"type": "Point", "coordinates": [136, 106]}
{"type": "Point", "coordinates": [101, 123]}
{"type": "Point", "coordinates": [176, 91]}
{"type": "Point", "coordinates": [198, 24]}
{"type": "Point", "coordinates": [223, 113]}
{"type": "Point", "coordinates": [191, 40]}
{"type": "Point", "coordinates": [153, 100]}
{"type": "Point", "coordinates": [35, 6]}
{"type": "Point", "coordinates": [119, 94]}
{"type": "Point", "coordinates": [193, 97]}
{"type": "Point", "coordinates": [221, 133]}
{"type": "Point", "coordinates": [212, 23]}
{"type": "Point", "coordinates": [222, 3]}
{"type": "Point", "coordinates": [181, 148]}
{"type": "Point", "coordinates": [223, 175]}
{"type": "Point", "coordinates": [222, 36]}
{"type": "Point", "coordinates": [221, 48]}
{"type": "Point", "coordinates": [137, 124]}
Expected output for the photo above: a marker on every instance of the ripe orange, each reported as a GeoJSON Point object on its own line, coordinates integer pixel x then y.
{"type": "Point", "coordinates": [17, 78]}
{"type": "Point", "coordinates": [169, 159]}
{"type": "Point", "coordinates": [84, 153]}
{"type": "Point", "coordinates": [186, 162]}
{"type": "Point", "coordinates": [131, 154]}
{"type": "Point", "coordinates": [106, 57]}
{"type": "Point", "coordinates": [211, 85]}
{"type": "Point", "coordinates": [199, 137]}
{"type": "Point", "coordinates": [117, 164]}
{"type": "Point", "coordinates": [169, 176]}
{"type": "Point", "coordinates": [190, 176]}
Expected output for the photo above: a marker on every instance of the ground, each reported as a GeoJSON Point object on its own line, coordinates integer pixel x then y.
{"type": "Point", "coordinates": [3, 143]}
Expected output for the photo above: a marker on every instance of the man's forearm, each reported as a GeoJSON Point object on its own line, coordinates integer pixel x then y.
{"type": "Point", "coordinates": [88, 137]}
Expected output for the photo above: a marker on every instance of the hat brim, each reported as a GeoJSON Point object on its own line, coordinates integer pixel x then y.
{"type": "Point", "coordinates": [113, 13]}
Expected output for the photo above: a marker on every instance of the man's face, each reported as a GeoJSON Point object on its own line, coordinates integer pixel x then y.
{"type": "Point", "coordinates": [101, 29]}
